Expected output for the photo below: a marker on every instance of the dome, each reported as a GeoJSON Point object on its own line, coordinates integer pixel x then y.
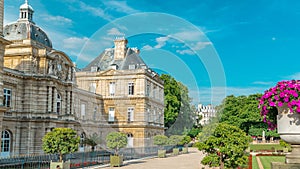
{"type": "Point", "coordinates": [26, 30]}
{"type": "Point", "coordinates": [26, 6]}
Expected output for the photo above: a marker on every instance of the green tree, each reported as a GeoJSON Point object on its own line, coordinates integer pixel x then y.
{"type": "Point", "coordinates": [61, 141]}
{"type": "Point", "coordinates": [226, 145]}
{"type": "Point", "coordinates": [241, 111]}
{"type": "Point", "coordinates": [178, 112]}
{"type": "Point", "coordinates": [116, 141]}
{"type": "Point", "coordinates": [207, 131]}
{"type": "Point", "coordinates": [92, 140]}
{"type": "Point", "coordinates": [185, 140]}
{"type": "Point", "coordinates": [160, 140]}
{"type": "Point", "coordinates": [174, 140]}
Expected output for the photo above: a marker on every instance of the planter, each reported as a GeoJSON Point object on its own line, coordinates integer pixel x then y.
{"type": "Point", "coordinates": [288, 125]}
{"type": "Point", "coordinates": [161, 153]}
{"type": "Point", "coordinates": [62, 165]}
{"type": "Point", "coordinates": [185, 150]}
{"type": "Point", "coordinates": [116, 160]}
{"type": "Point", "coordinates": [175, 151]}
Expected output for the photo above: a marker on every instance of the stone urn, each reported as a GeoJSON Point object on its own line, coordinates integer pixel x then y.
{"type": "Point", "coordinates": [288, 126]}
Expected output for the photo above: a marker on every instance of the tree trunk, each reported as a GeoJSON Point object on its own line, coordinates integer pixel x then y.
{"type": "Point", "coordinates": [60, 157]}
{"type": "Point", "coordinates": [221, 161]}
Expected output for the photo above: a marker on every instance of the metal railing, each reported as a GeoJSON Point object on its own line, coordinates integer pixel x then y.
{"type": "Point", "coordinates": [78, 159]}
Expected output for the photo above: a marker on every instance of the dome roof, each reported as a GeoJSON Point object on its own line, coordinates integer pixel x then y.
{"type": "Point", "coordinates": [26, 30]}
{"type": "Point", "coordinates": [26, 6]}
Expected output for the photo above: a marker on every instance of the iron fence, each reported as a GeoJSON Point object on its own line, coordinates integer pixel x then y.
{"type": "Point", "coordinates": [78, 159]}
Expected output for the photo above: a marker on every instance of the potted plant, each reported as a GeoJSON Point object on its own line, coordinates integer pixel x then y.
{"type": "Point", "coordinates": [175, 140]}
{"type": "Point", "coordinates": [92, 140]}
{"type": "Point", "coordinates": [61, 141]}
{"type": "Point", "coordinates": [185, 141]}
{"type": "Point", "coordinates": [116, 141]}
{"type": "Point", "coordinates": [281, 103]}
{"type": "Point", "coordinates": [160, 140]}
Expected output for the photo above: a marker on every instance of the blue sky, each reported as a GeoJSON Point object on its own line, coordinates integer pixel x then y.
{"type": "Point", "coordinates": [215, 47]}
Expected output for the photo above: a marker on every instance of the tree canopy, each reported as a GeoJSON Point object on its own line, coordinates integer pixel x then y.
{"type": "Point", "coordinates": [116, 141]}
{"type": "Point", "coordinates": [62, 141]}
{"type": "Point", "coordinates": [178, 112]}
{"type": "Point", "coordinates": [160, 140]}
{"type": "Point", "coordinates": [225, 147]}
{"type": "Point", "coordinates": [241, 111]}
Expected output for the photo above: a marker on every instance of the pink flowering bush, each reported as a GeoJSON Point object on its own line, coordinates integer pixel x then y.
{"type": "Point", "coordinates": [285, 92]}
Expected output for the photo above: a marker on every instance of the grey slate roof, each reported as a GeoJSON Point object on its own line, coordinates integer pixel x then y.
{"type": "Point", "coordinates": [21, 30]}
{"type": "Point", "coordinates": [106, 59]}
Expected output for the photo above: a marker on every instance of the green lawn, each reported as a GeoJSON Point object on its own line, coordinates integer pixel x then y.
{"type": "Point", "coordinates": [266, 160]}
{"type": "Point", "coordinates": [254, 163]}
{"type": "Point", "coordinates": [259, 147]}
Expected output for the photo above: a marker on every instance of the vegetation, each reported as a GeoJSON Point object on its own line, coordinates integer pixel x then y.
{"type": "Point", "coordinates": [178, 112]}
{"type": "Point", "coordinates": [92, 141]}
{"type": "Point", "coordinates": [160, 140]}
{"type": "Point", "coordinates": [116, 141]}
{"type": "Point", "coordinates": [254, 163]}
{"type": "Point", "coordinates": [225, 147]}
{"type": "Point", "coordinates": [61, 141]}
{"type": "Point", "coordinates": [175, 140]}
{"type": "Point", "coordinates": [185, 140]}
{"type": "Point", "coordinates": [266, 147]}
{"type": "Point", "coordinates": [266, 160]}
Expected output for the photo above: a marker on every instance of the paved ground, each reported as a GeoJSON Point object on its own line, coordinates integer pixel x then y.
{"type": "Point", "coordinates": [183, 161]}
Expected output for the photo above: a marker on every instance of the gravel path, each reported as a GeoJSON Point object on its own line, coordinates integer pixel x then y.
{"type": "Point", "coordinates": [182, 161]}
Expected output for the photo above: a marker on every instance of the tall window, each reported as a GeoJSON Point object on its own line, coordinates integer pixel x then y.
{"type": "Point", "coordinates": [81, 144]}
{"type": "Point", "coordinates": [93, 87]}
{"type": "Point", "coordinates": [129, 140]}
{"type": "Point", "coordinates": [7, 98]}
{"type": "Point", "coordinates": [130, 114]}
{"type": "Point", "coordinates": [111, 114]}
{"type": "Point", "coordinates": [5, 143]}
{"type": "Point", "coordinates": [148, 89]}
{"type": "Point", "coordinates": [130, 88]}
{"type": "Point", "coordinates": [82, 111]}
{"type": "Point", "coordinates": [58, 104]}
{"type": "Point", "coordinates": [112, 86]}
{"type": "Point", "coordinates": [95, 113]}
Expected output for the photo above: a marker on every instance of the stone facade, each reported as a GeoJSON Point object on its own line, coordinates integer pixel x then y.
{"type": "Point", "coordinates": [42, 91]}
{"type": "Point", "coordinates": [206, 112]}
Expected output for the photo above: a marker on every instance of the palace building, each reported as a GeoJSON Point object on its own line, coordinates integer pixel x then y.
{"type": "Point", "coordinates": [42, 89]}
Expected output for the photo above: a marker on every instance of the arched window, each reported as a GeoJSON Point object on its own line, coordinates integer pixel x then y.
{"type": "Point", "coordinates": [5, 143]}
{"type": "Point", "coordinates": [129, 140]}
{"type": "Point", "coordinates": [58, 104]}
{"type": "Point", "coordinates": [81, 145]}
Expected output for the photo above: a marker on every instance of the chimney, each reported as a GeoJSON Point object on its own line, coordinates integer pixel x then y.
{"type": "Point", "coordinates": [120, 48]}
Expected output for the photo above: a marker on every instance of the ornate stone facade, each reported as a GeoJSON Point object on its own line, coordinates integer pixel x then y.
{"type": "Point", "coordinates": [42, 91]}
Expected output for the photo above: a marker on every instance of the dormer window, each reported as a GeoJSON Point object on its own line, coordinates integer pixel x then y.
{"type": "Point", "coordinates": [94, 69]}
{"type": "Point", "coordinates": [131, 67]}
{"type": "Point", "coordinates": [114, 66]}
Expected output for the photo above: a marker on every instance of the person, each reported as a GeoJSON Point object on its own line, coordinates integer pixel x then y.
{"type": "Point", "coordinates": [57, 167]}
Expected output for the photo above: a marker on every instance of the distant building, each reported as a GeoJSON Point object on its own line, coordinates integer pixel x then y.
{"type": "Point", "coordinates": [204, 114]}
{"type": "Point", "coordinates": [42, 90]}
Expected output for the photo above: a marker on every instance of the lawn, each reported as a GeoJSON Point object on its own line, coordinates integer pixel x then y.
{"type": "Point", "coordinates": [266, 160]}
{"type": "Point", "coordinates": [268, 147]}
{"type": "Point", "coordinates": [254, 163]}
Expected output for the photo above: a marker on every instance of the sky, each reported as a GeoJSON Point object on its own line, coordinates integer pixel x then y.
{"type": "Point", "coordinates": [214, 47]}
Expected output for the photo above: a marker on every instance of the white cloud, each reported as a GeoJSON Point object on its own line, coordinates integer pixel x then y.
{"type": "Point", "coordinates": [185, 51]}
{"type": "Point", "coordinates": [95, 11]}
{"type": "Point", "coordinates": [161, 42]}
{"type": "Point", "coordinates": [121, 6]}
{"type": "Point", "coordinates": [188, 35]}
{"type": "Point", "coordinates": [57, 19]}
{"type": "Point", "coordinates": [74, 42]}
{"type": "Point", "coordinates": [200, 45]}
{"type": "Point", "coordinates": [147, 47]}
{"type": "Point", "coordinates": [295, 76]}
{"type": "Point", "coordinates": [115, 31]}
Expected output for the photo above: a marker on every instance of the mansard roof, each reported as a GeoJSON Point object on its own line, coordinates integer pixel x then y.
{"type": "Point", "coordinates": [106, 61]}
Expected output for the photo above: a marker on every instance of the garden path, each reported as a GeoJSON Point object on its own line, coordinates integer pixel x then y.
{"type": "Point", "coordinates": [183, 161]}
{"type": "Point", "coordinates": [259, 163]}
